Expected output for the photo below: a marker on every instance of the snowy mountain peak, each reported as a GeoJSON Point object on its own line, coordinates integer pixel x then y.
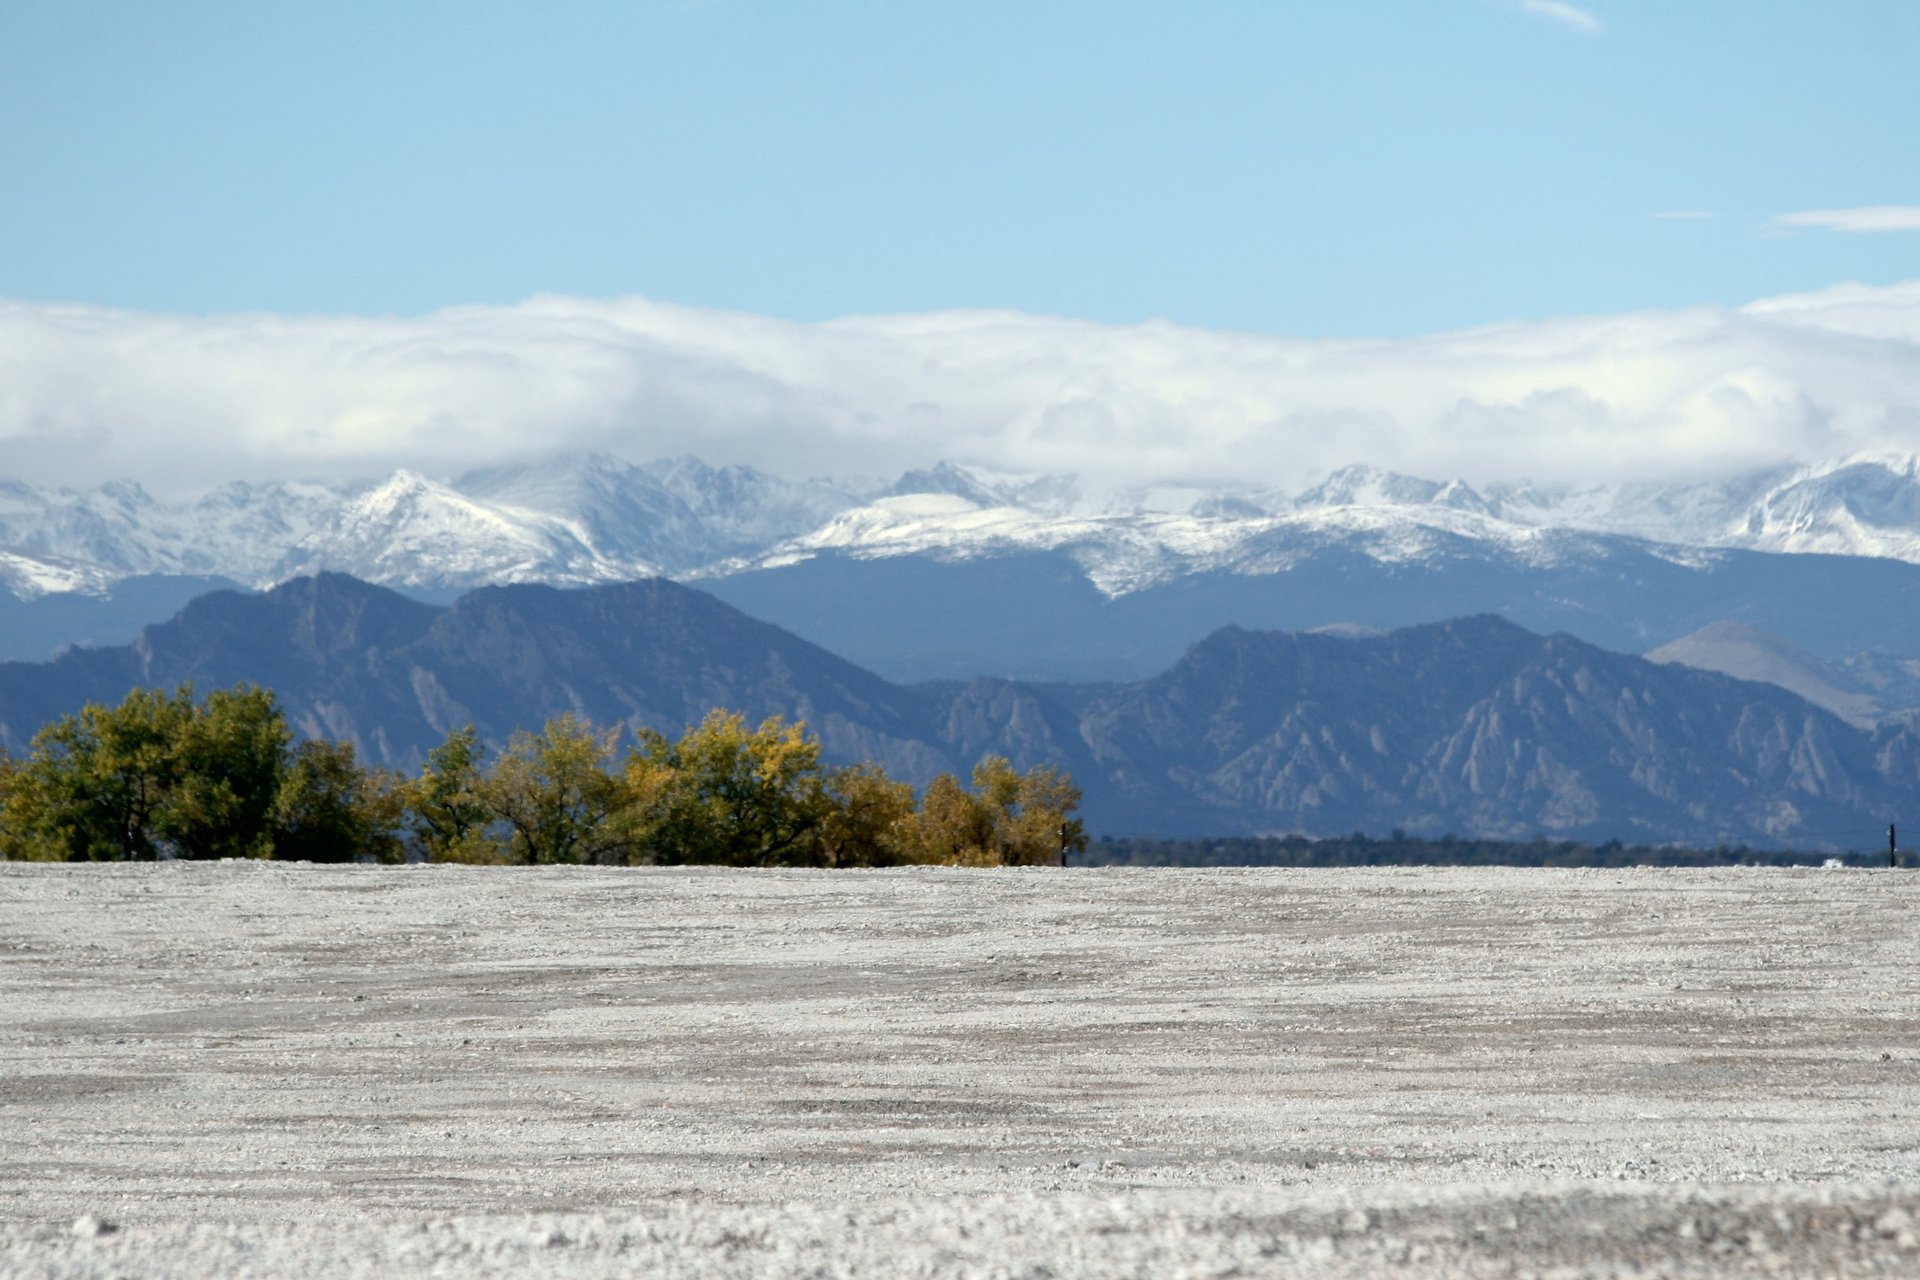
{"type": "Point", "coordinates": [413, 531]}
{"type": "Point", "coordinates": [1865, 505]}
{"type": "Point", "coordinates": [1362, 486]}
{"type": "Point", "coordinates": [595, 518]}
{"type": "Point", "coordinates": [1461, 496]}
{"type": "Point", "coordinates": [126, 494]}
{"type": "Point", "coordinates": [404, 486]}
{"type": "Point", "coordinates": [688, 476]}
{"type": "Point", "coordinates": [985, 487]}
{"type": "Point", "coordinates": [1905, 466]}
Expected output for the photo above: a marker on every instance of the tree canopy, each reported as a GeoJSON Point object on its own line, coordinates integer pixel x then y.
{"type": "Point", "coordinates": [169, 775]}
{"type": "Point", "coordinates": [161, 775]}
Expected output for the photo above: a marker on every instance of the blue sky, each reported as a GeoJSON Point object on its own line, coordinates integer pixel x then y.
{"type": "Point", "coordinates": [1313, 170]}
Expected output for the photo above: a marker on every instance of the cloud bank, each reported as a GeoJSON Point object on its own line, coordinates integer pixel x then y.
{"type": "Point", "coordinates": [184, 403]}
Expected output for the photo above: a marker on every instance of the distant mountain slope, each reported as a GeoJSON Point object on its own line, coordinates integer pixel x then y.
{"type": "Point", "coordinates": [364, 664]}
{"type": "Point", "coordinates": [650, 653]}
{"type": "Point", "coordinates": [1746, 652]}
{"type": "Point", "coordinates": [1474, 725]}
{"type": "Point", "coordinates": [952, 570]}
{"type": "Point", "coordinates": [314, 641]}
{"type": "Point", "coordinates": [38, 628]}
{"type": "Point", "coordinates": [1035, 615]}
{"type": "Point", "coordinates": [1477, 725]}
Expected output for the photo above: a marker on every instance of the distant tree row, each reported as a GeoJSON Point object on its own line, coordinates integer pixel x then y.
{"type": "Point", "coordinates": [166, 775]}
{"type": "Point", "coordinates": [1402, 850]}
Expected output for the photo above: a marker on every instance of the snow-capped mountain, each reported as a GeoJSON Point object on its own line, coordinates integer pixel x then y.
{"type": "Point", "coordinates": [1127, 552]}
{"type": "Point", "coordinates": [1861, 507]}
{"type": "Point", "coordinates": [1051, 495]}
{"type": "Point", "coordinates": [1866, 505]}
{"type": "Point", "coordinates": [118, 530]}
{"type": "Point", "coordinates": [244, 531]}
{"type": "Point", "coordinates": [413, 532]}
{"type": "Point", "coordinates": [570, 520]}
{"type": "Point", "coordinates": [578, 520]}
{"type": "Point", "coordinates": [1370, 487]}
{"type": "Point", "coordinates": [673, 516]}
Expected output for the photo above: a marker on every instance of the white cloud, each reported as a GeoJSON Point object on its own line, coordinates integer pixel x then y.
{"type": "Point", "coordinates": [1566, 14]}
{"type": "Point", "coordinates": [1879, 217]}
{"type": "Point", "coordinates": [183, 403]}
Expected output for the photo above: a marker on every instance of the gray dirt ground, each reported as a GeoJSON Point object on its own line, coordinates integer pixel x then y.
{"type": "Point", "coordinates": [254, 1069]}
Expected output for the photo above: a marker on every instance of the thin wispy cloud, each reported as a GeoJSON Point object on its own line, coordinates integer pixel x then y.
{"type": "Point", "coordinates": [184, 403]}
{"type": "Point", "coordinates": [1879, 217]}
{"type": "Point", "coordinates": [1565, 14]}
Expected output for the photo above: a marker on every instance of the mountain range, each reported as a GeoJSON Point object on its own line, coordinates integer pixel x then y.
{"type": "Point", "coordinates": [1472, 725]}
{"type": "Point", "coordinates": [575, 519]}
{"type": "Point", "coordinates": [950, 571]}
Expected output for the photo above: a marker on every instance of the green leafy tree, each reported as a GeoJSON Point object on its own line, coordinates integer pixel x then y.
{"type": "Point", "coordinates": [18, 836]}
{"type": "Point", "coordinates": [95, 783]}
{"type": "Point", "coordinates": [448, 817]}
{"type": "Point", "coordinates": [157, 775]}
{"type": "Point", "coordinates": [555, 794]}
{"type": "Point", "coordinates": [231, 756]}
{"type": "Point", "coordinates": [727, 794]}
{"type": "Point", "coordinates": [329, 809]}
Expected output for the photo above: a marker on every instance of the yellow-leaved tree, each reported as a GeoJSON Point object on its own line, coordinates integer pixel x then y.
{"type": "Point", "coordinates": [1009, 818]}
{"type": "Point", "coordinates": [726, 794]}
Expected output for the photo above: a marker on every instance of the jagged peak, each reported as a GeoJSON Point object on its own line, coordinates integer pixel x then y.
{"type": "Point", "coordinates": [1363, 485]}
{"type": "Point", "coordinates": [684, 465]}
{"type": "Point", "coordinates": [126, 492]}
{"type": "Point", "coordinates": [1900, 463]}
{"type": "Point", "coordinates": [407, 480]}
{"type": "Point", "coordinates": [561, 464]}
{"type": "Point", "coordinates": [410, 489]}
{"type": "Point", "coordinates": [944, 477]}
{"type": "Point", "coordinates": [988, 487]}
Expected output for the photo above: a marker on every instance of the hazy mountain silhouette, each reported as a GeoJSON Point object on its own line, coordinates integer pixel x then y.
{"type": "Point", "coordinates": [1474, 725]}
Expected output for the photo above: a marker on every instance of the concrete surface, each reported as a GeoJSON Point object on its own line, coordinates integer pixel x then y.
{"type": "Point", "coordinates": [288, 1070]}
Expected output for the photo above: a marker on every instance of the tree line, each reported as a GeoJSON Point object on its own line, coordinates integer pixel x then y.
{"type": "Point", "coordinates": [171, 775]}
{"type": "Point", "coordinates": [1402, 850]}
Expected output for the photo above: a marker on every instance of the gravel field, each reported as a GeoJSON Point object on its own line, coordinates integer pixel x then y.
{"type": "Point", "coordinates": [261, 1069]}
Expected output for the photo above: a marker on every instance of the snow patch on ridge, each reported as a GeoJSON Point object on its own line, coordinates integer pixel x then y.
{"type": "Point", "coordinates": [29, 579]}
